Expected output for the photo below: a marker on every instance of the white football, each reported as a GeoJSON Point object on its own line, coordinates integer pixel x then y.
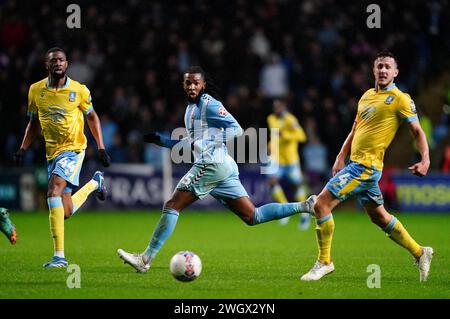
{"type": "Point", "coordinates": [185, 266]}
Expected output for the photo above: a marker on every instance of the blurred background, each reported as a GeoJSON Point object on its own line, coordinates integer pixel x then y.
{"type": "Point", "coordinates": [132, 54]}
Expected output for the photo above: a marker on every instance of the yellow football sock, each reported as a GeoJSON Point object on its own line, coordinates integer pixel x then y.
{"type": "Point", "coordinates": [56, 219]}
{"type": "Point", "coordinates": [400, 235]}
{"type": "Point", "coordinates": [278, 194]}
{"type": "Point", "coordinates": [82, 194]}
{"type": "Point", "coordinates": [324, 236]}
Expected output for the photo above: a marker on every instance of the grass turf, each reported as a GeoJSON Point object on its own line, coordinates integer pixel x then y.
{"type": "Point", "coordinates": [239, 261]}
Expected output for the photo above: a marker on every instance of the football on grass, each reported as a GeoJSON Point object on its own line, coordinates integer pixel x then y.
{"type": "Point", "coordinates": [185, 266]}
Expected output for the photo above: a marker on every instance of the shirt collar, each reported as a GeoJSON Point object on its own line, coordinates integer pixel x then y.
{"type": "Point", "coordinates": [47, 83]}
{"type": "Point", "coordinates": [389, 87]}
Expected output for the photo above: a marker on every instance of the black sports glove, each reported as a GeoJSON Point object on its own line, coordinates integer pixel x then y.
{"type": "Point", "coordinates": [152, 137]}
{"type": "Point", "coordinates": [104, 158]}
{"type": "Point", "coordinates": [18, 157]}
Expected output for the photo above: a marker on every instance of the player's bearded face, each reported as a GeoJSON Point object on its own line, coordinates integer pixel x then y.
{"type": "Point", "coordinates": [193, 85]}
{"type": "Point", "coordinates": [57, 64]}
{"type": "Point", "coordinates": [385, 70]}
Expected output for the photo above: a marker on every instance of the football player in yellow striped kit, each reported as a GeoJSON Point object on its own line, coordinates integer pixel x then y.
{"type": "Point", "coordinates": [284, 158]}
{"type": "Point", "coordinates": [58, 105]}
{"type": "Point", "coordinates": [381, 110]}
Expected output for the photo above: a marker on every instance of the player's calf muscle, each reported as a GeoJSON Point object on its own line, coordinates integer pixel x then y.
{"type": "Point", "coordinates": [248, 219]}
{"type": "Point", "coordinates": [246, 214]}
{"type": "Point", "coordinates": [378, 215]}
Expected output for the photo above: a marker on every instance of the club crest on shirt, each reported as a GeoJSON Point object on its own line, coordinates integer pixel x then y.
{"type": "Point", "coordinates": [42, 95]}
{"type": "Point", "coordinates": [413, 106]}
{"type": "Point", "coordinates": [222, 111]}
{"type": "Point", "coordinates": [389, 99]}
{"type": "Point", "coordinates": [72, 96]}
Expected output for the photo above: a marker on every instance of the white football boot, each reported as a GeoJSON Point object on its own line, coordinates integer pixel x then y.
{"type": "Point", "coordinates": [424, 263]}
{"type": "Point", "coordinates": [134, 260]}
{"type": "Point", "coordinates": [318, 271]}
{"type": "Point", "coordinates": [309, 205]}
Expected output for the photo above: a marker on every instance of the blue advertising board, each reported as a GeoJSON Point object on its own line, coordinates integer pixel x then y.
{"type": "Point", "coordinates": [139, 186]}
{"type": "Point", "coordinates": [429, 193]}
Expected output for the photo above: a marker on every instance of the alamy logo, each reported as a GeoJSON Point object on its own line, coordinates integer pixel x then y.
{"type": "Point", "coordinates": [73, 21]}
{"type": "Point", "coordinates": [374, 280]}
{"type": "Point", "coordinates": [74, 279]}
{"type": "Point", "coordinates": [204, 142]}
{"type": "Point", "coordinates": [374, 19]}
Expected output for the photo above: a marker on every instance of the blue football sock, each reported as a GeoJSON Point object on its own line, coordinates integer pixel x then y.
{"type": "Point", "coordinates": [164, 229]}
{"type": "Point", "coordinates": [273, 211]}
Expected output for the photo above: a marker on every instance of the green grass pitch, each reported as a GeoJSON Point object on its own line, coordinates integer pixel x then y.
{"type": "Point", "coordinates": [239, 261]}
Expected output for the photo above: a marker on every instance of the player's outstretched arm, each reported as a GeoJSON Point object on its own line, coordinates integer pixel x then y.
{"type": "Point", "coordinates": [420, 168]}
{"type": "Point", "coordinates": [31, 132]}
{"type": "Point", "coordinates": [96, 130]}
{"type": "Point", "coordinates": [343, 153]}
{"type": "Point", "coordinates": [161, 140]}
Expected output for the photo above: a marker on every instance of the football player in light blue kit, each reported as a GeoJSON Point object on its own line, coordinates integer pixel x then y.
{"type": "Point", "coordinates": [214, 172]}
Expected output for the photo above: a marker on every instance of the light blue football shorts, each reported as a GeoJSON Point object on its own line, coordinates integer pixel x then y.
{"type": "Point", "coordinates": [292, 172]}
{"type": "Point", "coordinates": [357, 180]}
{"type": "Point", "coordinates": [67, 165]}
{"type": "Point", "coordinates": [220, 180]}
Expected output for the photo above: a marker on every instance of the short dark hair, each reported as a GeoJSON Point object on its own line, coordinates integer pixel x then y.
{"type": "Point", "coordinates": [196, 69]}
{"type": "Point", "coordinates": [55, 49]}
{"type": "Point", "coordinates": [386, 54]}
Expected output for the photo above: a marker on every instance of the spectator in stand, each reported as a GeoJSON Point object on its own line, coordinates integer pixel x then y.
{"type": "Point", "coordinates": [274, 78]}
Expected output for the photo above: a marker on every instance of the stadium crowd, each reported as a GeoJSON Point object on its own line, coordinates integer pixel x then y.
{"type": "Point", "coordinates": [131, 54]}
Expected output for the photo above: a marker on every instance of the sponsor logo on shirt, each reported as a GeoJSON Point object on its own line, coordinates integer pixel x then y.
{"type": "Point", "coordinates": [222, 111]}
